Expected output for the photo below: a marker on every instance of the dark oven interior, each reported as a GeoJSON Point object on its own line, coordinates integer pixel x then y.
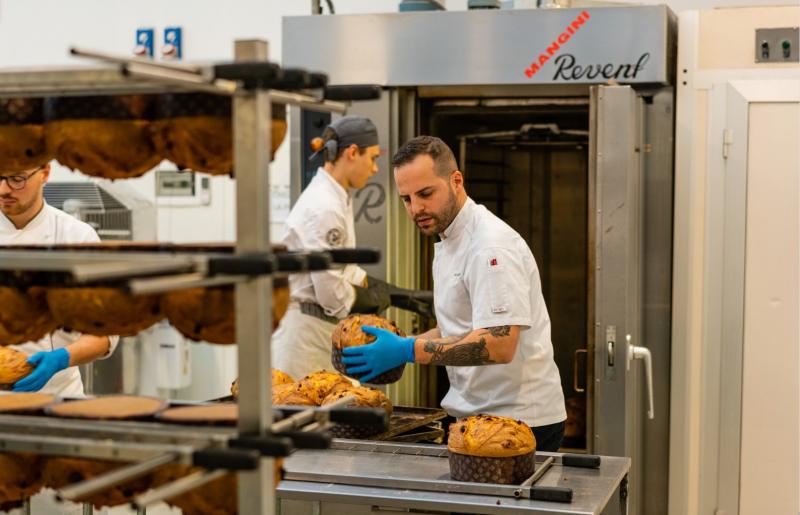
{"type": "Point", "coordinates": [527, 161]}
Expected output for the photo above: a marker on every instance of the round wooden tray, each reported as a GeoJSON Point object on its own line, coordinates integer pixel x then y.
{"type": "Point", "coordinates": [221, 413]}
{"type": "Point", "coordinates": [112, 407]}
{"type": "Point", "coordinates": [22, 402]}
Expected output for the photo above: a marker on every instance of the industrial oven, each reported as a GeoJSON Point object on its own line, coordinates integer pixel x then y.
{"type": "Point", "coordinates": [562, 122]}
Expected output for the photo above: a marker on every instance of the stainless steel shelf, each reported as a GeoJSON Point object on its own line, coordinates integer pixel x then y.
{"type": "Point", "coordinates": [78, 81]}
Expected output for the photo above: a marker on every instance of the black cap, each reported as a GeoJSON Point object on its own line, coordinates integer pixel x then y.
{"type": "Point", "coordinates": [350, 130]}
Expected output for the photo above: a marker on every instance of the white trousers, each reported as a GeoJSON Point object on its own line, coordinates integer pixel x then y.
{"type": "Point", "coordinates": [302, 344]}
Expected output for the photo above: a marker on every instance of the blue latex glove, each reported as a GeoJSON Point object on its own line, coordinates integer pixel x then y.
{"type": "Point", "coordinates": [47, 364]}
{"type": "Point", "coordinates": [385, 353]}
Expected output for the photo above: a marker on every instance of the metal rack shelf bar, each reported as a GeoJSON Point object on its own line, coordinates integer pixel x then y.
{"type": "Point", "coordinates": [92, 448]}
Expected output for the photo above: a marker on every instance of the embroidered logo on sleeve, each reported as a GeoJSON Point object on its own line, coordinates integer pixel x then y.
{"type": "Point", "coordinates": [497, 295]}
{"type": "Point", "coordinates": [334, 237]}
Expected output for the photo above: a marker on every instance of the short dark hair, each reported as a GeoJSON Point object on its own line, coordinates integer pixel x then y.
{"type": "Point", "coordinates": [444, 161]}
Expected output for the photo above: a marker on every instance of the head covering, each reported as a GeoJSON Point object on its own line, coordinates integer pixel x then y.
{"type": "Point", "coordinates": [350, 130]}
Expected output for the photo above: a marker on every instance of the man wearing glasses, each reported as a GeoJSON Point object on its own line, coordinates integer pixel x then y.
{"type": "Point", "coordinates": [26, 219]}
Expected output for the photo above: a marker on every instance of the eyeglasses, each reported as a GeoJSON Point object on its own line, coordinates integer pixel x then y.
{"type": "Point", "coordinates": [17, 182]}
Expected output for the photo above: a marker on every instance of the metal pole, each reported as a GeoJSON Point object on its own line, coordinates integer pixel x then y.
{"type": "Point", "coordinates": [88, 509]}
{"type": "Point", "coordinates": [251, 134]}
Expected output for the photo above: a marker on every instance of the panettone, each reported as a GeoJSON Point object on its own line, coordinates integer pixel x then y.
{"type": "Point", "coordinates": [102, 136]}
{"type": "Point", "coordinates": [219, 497]}
{"type": "Point", "coordinates": [491, 449]}
{"type": "Point", "coordinates": [20, 478]}
{"type": "Point", "coordinates": [194, 131]}
{"type": "Point", "coordinates": [209, 314]}
{"type": "Point", "coordinates": [364, 398]}
{"type": "Point", "coordinates": [289, 394]}
{"type": "Point", "coordinates": [317, 385]}
{"type": "Point", "coordinates": [22, 145]}
{"type": "Point", "coordinates": [103, 311]}
{"type": "Point", "coordinates": [58, 473]}
{"type": "Point", "coordinates": [348, 333]}
{"type": "Point", "coordinates": [25, 316]}
{"type": "Point", "coordinates": [13, 366]}
{"type": "Point", "coordinates": [278, 377]}
{"type": "Point", "coordinates": [203, 314]}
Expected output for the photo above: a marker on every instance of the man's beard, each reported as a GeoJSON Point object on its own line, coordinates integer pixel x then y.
{"type": "Point", "coordinates": [16, 208]}
{"type": "Point", "coordinates": [442, 219]}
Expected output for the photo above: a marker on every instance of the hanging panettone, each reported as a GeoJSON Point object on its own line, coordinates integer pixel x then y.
{"type": "Point", "coordinates": [103, 311]}
{"type": "Point", "coordinates": [209, 314]}
{"type": "Point", "coordinates": [25, 316]}
{"type": "Point", "coordinates": [22, 143]}
{"type": "Point", "coordinates": [102, 136]}
{"type": "Point", "coordinates": [195, 131]}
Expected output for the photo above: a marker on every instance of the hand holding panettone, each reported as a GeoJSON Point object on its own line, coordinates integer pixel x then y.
{"type": "Point", "coordinates": [382, 362]}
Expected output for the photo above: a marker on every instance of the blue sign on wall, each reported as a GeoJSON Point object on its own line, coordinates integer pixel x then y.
{"type": "Point", "coordinates": [173, 43]}
{"type": "Point", "coordinates": [145, 39]}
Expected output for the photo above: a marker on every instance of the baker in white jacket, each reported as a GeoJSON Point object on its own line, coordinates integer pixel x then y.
{"type": "Point", "coordinates": [26, 219]}
{"type": "Point", "coordinates": [322, 218]}
{"type": "Point", "coordinates": [493, 329]}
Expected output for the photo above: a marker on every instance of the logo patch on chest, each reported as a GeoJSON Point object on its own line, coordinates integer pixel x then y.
{"type": "Point", "coordinates": [334, 237]}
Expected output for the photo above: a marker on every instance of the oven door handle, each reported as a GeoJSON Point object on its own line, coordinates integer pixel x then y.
{"type": "Point", "coordinates": [643, 353]}
{"type": "Point", "coordinates": [575, 386]}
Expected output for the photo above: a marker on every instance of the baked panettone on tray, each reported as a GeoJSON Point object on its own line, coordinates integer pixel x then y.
{"type": "Point", "coordinates": [348, 333]}
{"type": "Point", "coordinates": [491, 449]}
{"type": "Point", "coordinates": [278, 377]}
{"type": "Point", "coordinates": [318, 385]}
{"type": "Point", "coordinates": [364, 398]}
{"type": "Point", "coordinates": [103, 311]}
{"type": "Point", "coordinates": [289, 394]}
{"type": "Point", "coordinates": [25, 316]}
{"type": "Point", "coordinates": [102, 136]}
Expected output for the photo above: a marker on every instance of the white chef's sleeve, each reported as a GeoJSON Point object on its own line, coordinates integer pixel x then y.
{"type": "Point", "coordinates": [333, 290]}
{"type": "Point", "coordinates": [498, 281]}
{"type": "Point", "coordinates": [84, 233]}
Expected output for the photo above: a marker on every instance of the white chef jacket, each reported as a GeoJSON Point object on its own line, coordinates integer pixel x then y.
{"type": "Point", "coordinates": [322, 218]}
{"type": "Point", "coordinates": [485, 276]}
{"type": "Point", "coordinates": [52, 226]}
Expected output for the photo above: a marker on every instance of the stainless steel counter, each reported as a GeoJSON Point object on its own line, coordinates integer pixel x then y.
{"type": "Point", "coordinates": [359, 474]}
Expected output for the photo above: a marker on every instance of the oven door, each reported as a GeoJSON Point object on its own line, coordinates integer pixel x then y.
{"type": "Point", "coordinates": [621, 391]}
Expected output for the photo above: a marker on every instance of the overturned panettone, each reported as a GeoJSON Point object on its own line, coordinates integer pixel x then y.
{"type": "Point", "coordinates": [102, 136]}
{"type": "Point", "coordinates": [25, 316]}
{"type": "Point", "coordinates": [195, 131]}
{"type": "Point", "coordinates": [22, 143]}
{"type": "Point", "coordinates": [103, 311]}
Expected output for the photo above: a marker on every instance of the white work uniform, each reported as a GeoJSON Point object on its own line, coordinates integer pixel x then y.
{"type": "Point", "coordinates": [321, 219]}
{"type": "Point", "coordinates": [485, 276]}
{"type": "Point", "coordinates": [53, 226]}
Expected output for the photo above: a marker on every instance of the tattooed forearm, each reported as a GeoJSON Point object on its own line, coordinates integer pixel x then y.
{"type": "Point", "coordinates": [502, 330]}
{"type": "Point", "coordinates": [463, 354]}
